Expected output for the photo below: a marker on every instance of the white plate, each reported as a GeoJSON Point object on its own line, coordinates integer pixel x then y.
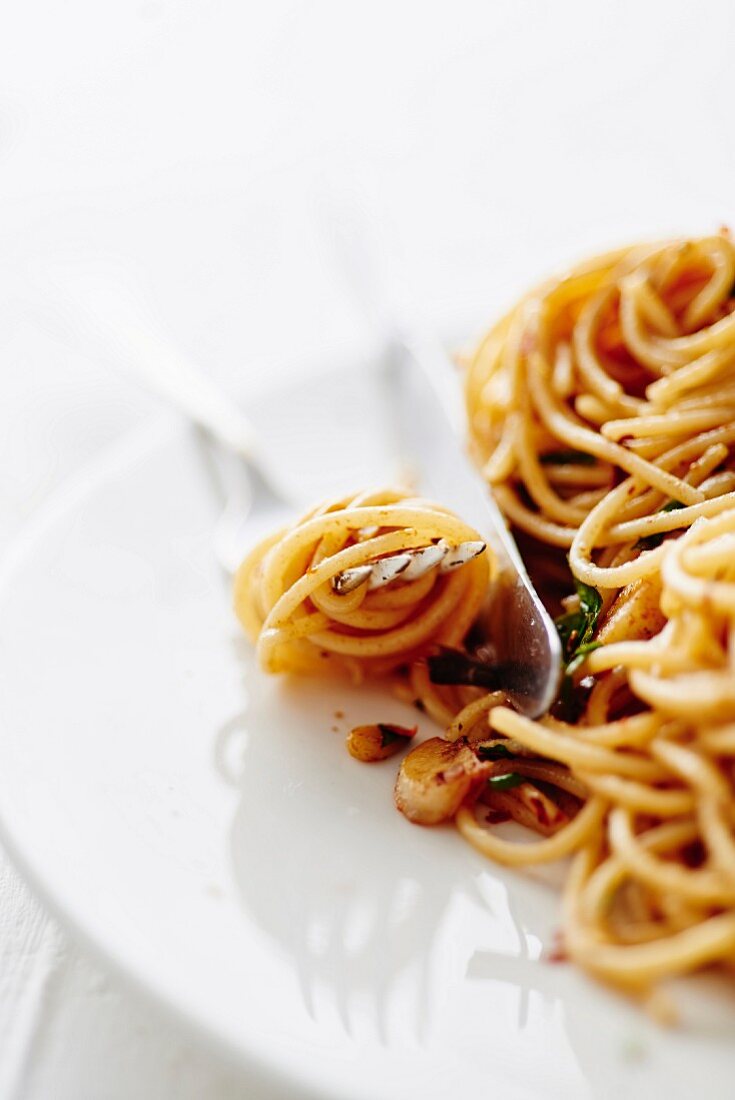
{"type": "Point", "coordinates": [206, 831]}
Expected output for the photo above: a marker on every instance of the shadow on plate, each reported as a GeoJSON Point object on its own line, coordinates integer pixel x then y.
{"type": "Point", "coordinates": [390, 926]}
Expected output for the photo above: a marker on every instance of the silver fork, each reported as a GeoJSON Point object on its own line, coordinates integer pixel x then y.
{"type": "Point", "coordinates": [522, 653]}
{"type": "Point", "coordinates": [518, 646]}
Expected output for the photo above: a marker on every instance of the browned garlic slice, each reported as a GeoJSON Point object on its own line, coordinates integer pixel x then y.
{"type": "Point", "coordinates": [435, 778]}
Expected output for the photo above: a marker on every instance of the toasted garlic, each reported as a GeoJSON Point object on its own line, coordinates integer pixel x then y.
{"type": "Point", "coordinates": [435, 778]}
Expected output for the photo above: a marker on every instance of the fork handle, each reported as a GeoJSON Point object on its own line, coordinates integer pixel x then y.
{"type": "Point", "coordinates": [190, 389]}
{"type": "Point", "coordinates": [112, 328]}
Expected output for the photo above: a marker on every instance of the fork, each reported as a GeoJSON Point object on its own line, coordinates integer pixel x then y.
{"type": "Point", "coordinates": [518, 648]}
{"type": "Point", "coordinates": [522, 652]}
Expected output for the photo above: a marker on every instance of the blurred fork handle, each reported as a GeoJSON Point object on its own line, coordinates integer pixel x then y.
{"type": "Point", "coordinates": [100, 319]}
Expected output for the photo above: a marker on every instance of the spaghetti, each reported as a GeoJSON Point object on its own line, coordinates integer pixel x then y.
{"type": "Point", "coordinates": [286, 602]}
{"type": "Point", "coordinates": [602, 412]}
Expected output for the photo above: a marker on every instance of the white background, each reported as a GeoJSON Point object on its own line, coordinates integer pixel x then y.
{"type": "Point", "coordinates": [187, 149]}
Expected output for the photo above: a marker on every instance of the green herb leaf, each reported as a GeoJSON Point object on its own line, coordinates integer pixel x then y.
{"type": "Point", "coordinates": [569, 627]}
{"type": "Point", "coordinates": [494, 750]}
{"type": "Point", "coordinates": [390, 734]}
{"type": "Point", "coordinates": [650, 542]}
{"type": "Point", "coordinates": [577, 627]}
{"type": "Point", "coordinates": [579, 657]}
{"type": "Point", "coordinates": [568, 458]}
{"type": "Point", "coordinates": [506, 782]}
{"type": "Point", "coordinates": [451, 666]}
{"type": "Point", "coordinates": [571, 706]}
{"type": "Point", "coordinates": [590, 601]}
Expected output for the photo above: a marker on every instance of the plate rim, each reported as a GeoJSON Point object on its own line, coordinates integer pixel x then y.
{"type": "Point", "coordinates": [244, 1056]}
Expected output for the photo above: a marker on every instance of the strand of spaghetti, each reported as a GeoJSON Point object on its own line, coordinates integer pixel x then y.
{"type": "Point", "coordinates": [285, 602]}
{"type": "Point", "coordinates": [596, 895]}
{"type": "Point", "coordinates": [567, 840]}
{"type": "Point", "coordinates": [692, 696]}
{"type": "Point", "coordinates": [557, 775]}
{"type": "Point", "coordinates": [573, 751]}
{"type": "Point", "coordinates": [245, 588]}
{"type": "Point", "coordinates": [719, 741]}
{"type": "Point", "coordinates": [599, 702]}
{"type": "Point", "coordinates": [706, 887]}
{"type": "Point", "coordinates": [639, 966]}
{"type": "Point", "coordinates": [640, 797]}
{"type": "Point", "coordinates": [696, 591]}
{"type": "Point", "coordinates": [537, 482]}
{"type": "Point", "coordinates": [633, 732]}
{"type": "Point", "coordinates": [588, 536]}
{"type": "Point", "coordinates": [531, 522]}
{"type": "Point", "coordinates": [637, 655]}
{"type": "Point", "coordinates": [433, 699]}
{"type": "Point", "coordinates": [717, 834]}
{"type": "Point", "coordinates": [405, 637]}
{"type": "Point", "coordinates": [600, 383]}
{"type": "Point", "coordinates": [667, 521]}
{"type": "Point", "coordinates": [664, 391]}
{"type": "Point", "coordinates": [574, 434]}
{"type": "Point", "coordinates": [592, 533]}
{"type": "Point", "coordinates": [474, 714]}
{"type": "Point", "coordinates": [599, 475]}
{"type": "Point", "coordinates": [692, 767]}
{"type": "Point", "coordinates": [655, 424]}
{"type": "Point", "coordinates": [432, 523]}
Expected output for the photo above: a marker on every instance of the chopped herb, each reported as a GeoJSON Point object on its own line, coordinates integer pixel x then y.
{"type": "Point", "coordinates": [505, 782]}
{"type": "Point", "coordinates": [451, 666]}
{"type": "Point", "coordinates": [590, 600]}
{"type": "Point", "coordinates": [650, 542]}
{"type": "Point", "coordinates": [377, 742]}
{"type": "Point", "coordinates": [494, 750]}
{"type": "Point", "coordinates": [570, 702]}
{"type": "Point", "coordinates": [579, 656]}
{"type": "Point", "coordinates": [568, 458]}
{"type": "Point", "coordinates": [572, 698]}
{"type": "Point", "coordinates": [390, 734]}
{"type": "Point", "coordinates": [577, 627]}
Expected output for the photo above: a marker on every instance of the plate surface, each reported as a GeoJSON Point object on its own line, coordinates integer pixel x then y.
{"type": "Point", "coordinates": [205, 830]}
